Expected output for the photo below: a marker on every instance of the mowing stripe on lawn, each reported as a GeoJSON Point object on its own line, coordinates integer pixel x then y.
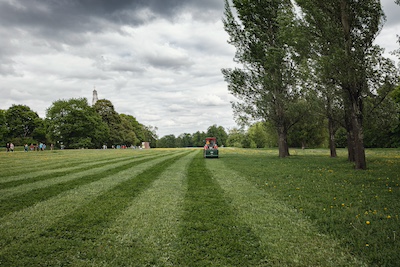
{"type": "Point", "coordinates": [52, 164]}
{"type": "Point", "coordinates": [46, 189]}
{"type": "Point", "coordinates": [287, 237]}
{"type": "Point", "coordinates": [210, 234]}
{"type": "Point", "coordinates": [25, 188]}
{"type": "Point", "coordinates": [16, 165]}
{"type": "Point", "coordinates": [75, 233]}
{"type": "Point", "coordinates": [41, 175]}
{"type": "Point", "coordinates": [21, 201]}
{"type": "Point", "coordinates": [145, 233]}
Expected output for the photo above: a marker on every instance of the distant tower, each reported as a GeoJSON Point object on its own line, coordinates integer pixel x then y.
{"type": "Point", "coordinates": [95, 98]}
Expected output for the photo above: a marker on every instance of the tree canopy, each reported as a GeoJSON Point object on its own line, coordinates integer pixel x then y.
{"type": "Point", "coordinates": [342, 34]}
{"type": "Point", "coordinates": [21, 121]}
{"type": "Point", "coordinates": [328, 47]}
{"type": "Point", "coordinates": [266, 85]}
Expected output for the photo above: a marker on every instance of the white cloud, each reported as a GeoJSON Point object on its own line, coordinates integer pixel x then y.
{"type": "Point", "coordinates": [160, 62]}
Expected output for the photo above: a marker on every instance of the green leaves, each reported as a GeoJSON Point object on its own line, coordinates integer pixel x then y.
{"type": "Point", "coordinates": [74, 123]}
{"type": "Point", "coordinates": [21, 121]}
{"type": "Point", "coordinates": [267, 42]}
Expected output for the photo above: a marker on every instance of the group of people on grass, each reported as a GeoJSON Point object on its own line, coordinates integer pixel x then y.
{"type": "Point", "coordinates": [33, 147]}
{"type": "Point", "coordinates": [10, 147]}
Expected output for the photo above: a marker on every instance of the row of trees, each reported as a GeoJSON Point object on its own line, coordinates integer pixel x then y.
{"type": "Point", "coordinates": [74, 124]}
{"type": "Point", "coordinates": [321, 59]}
{"type": "Point", "coordinates": [196, 139]}
{"type": "Point", "coordinates": [381, 129]}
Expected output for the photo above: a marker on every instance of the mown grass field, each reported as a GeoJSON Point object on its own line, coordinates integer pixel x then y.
{"type": "Point", "coordinates": [171, 207]}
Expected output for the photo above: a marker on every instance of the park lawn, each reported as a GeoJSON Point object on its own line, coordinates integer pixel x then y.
{"type": "Point", "coordinates": [172, 207]}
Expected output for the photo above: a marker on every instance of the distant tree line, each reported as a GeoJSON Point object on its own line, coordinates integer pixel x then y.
{"type": "Point", "coordinates": [381, 129]}
{"type": "Point", "coordinates": [196, 139]}
{"type": "Point", "coordinates": [74, 123]}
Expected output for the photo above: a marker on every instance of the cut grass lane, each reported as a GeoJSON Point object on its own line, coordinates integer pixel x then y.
{"type": "Point", "coordinates": [77, 233]}
{"type": "Point", "coordinates": [25, 188]}
{"type": "Point", "coordinates": [18, 227]}
{"type": "Point", "coordinates": [21, 197]}
{"type": "Point", "coordinates": [145, 233]}
{"type": "Point", "coordinates": [288, 238]}
{"type": "Point", "coordinates": [38, 174]}
{"type": "Point", "coordinates": [210, 234]}
{"type": "Point", "coordinates": [21, 164]}
{"type": "Point", "coordinates": [47, 189]}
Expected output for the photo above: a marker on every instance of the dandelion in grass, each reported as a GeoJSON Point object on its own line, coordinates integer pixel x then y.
{"type": "Point", "coordinates": [367, 222]}
{"type": "Point", "coordinates": [389, 217]}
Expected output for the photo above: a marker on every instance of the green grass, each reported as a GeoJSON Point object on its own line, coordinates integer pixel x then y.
{"type": "Point", "coordinates": [171, 207]}
{"type": "Point", "coordinates": [338, 200]}
{"type": "Point", "coordinates": [211, 235]}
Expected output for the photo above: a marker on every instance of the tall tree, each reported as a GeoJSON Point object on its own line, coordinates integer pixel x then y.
{"type": "Point", "coordinates": [344, 32]}
{"type": "Point", "coordinates": [264, 35]}
{"type": "Point", "coordinates": [73, 123]}
{"type": "Point", "coordinates": [108, 114]}
{"type": "Point", "coordinates": [135, 126]}
{"type": "Point", "coordinates": [21, 121]}
{"type": "Point", "coordinates": [128, 134]}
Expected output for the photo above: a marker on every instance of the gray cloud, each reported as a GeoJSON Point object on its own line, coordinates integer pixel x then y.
{"type": "Point", "coordinates": [79, 15]}
{"type": "Point", "coordinates": [158, 60]}
{"type": "Point", "coordinates": [392, 11]}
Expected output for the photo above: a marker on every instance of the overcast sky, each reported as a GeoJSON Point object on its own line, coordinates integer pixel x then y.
{"type": "Point", "coordinates": [158, 60]}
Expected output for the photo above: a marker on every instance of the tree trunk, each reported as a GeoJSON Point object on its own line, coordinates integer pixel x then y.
{"type": "Point", "coordinates": [332, 145]}
{"type": "Point", "coordinates": [350, 137]}
{"type": "Point", "coordinates": [282, 142]}
{"type": "Point", "coordinates": [331, 127]}
{"type": "Point", "coordinates": [355, 134]}
{"type": "Point", "coordinates": [359, 151]}
{"type": "Point", "coordinates": [352, 86]}
{"type": "Point", "coordinates": [350, 146]}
